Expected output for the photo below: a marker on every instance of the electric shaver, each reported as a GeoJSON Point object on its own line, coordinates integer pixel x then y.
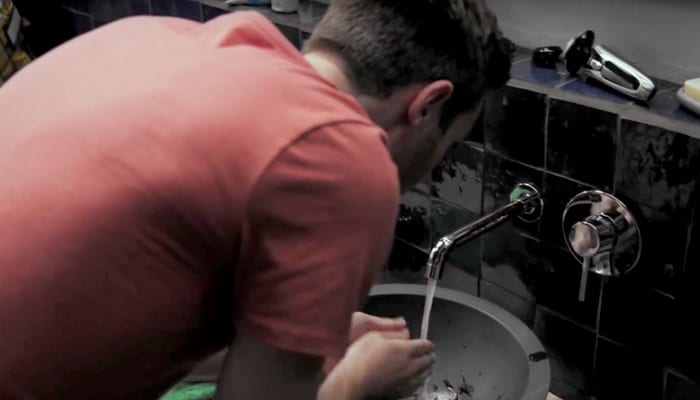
{"type": "Point", "coordinates": [584, 57]}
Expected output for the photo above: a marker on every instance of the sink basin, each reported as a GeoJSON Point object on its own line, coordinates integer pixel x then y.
{"type": "Point", "coordinates": [483, 351]}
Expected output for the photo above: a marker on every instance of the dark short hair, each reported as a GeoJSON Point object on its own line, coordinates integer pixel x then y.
{"type": "Point", "coordinates": [389, 44]}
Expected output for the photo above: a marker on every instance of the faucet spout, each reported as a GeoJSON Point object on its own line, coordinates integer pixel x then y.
{"type": "Point", "coordinates": [526, 203]}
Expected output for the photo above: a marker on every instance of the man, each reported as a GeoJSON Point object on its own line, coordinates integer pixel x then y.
{"type": "Point", "coordinates": [171, 189]}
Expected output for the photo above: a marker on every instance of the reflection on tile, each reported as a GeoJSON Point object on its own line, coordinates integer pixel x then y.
{"type": "Point", "coordinates": [529, 72]}
{"type": "Point", "coordinates": [592, 88]}
{"type": "Point", "coordinates": [514, 124]}
{"type": "Point", "coordinates": [657, 168]}
{"type": "Point", "coordinates": [407, 258]}
{"type": "Point", "coordinates": [558, 192]}
{"type": "Point", "coordinates": [413, 223]}
{"type": "Point", "coordinates": [678, 387]}
{"type": "Point", "coordinates": [621, 373]}
{"type": "Point", "coordinates": [510, 260]}
{"type": "Point", "coordinates": [446, 218]}
{"type": "Point", "coordinates": [570, 349]}
{"type": "Point", "coordinates": [291, 33]}
{"type": "Point", "coordinates": [209, 12]}
{"type": "Point", "coordinates": [458, 178]}
{"type": "Point", "coordinates": [523, 309]}
{"type": "Point", "coordinates": [555, 280]}
{"type": "Point", "coordinates": [500, 178]}
{"type": "Point", "coordinates": [581, 143]}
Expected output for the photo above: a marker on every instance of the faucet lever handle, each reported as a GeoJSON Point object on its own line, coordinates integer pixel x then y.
{"type": "Point", "coordinates": [585, 267]}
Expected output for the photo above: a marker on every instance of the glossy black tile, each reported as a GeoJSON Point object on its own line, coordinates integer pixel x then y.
{"type": "Point", "coordinates": [82, 22]}
{"type": "Point", "coordinates": [621, 373]}
{"type": "Point", "coordinates": [178, 8]}
{"type": "Point", "coordinates": [459, 177]}
{"type": "Point", "coordinates": [105, 11]}
{"type": "Point", "coordinates": [591, 88]}
{"type": "Point", "coordinates": [638, 316]}
{"type": "Point", "coordinates": [581, 143]}
{"type": "Point", "coordinates": [413, 224]}
{"type": "Point", "coordinates": [523, 309]}
{"type": "Point", "coordinates": [664, 247]}
{"type": "Point", "coordinates": [679, 387]}
{"type": "Point", "coordinates": [140, 7]}
{"type": "Point", "coordinates": [510, 260]}
{"type": "Point", "coordinates": [558, 192]}
{"type": "Point", "coordinates": [406, 257]}
{"type": "Point", "coordinates": [527, 71]}
{"type": "Point", "coordinates": [500, 178]}
{"type": "Point", "coordinates": [476, 135]}
{"type": "Point", "coordinates": [514, 121]}
{"type": "Point", "coordinates": [657, 168]}
{"type": "Point", "coordinates": [209, 12]}
{"type": "Point", "coordinates": [666, 103]}
{"type": "Point", "coordinates": [555, 280]}
{"type": "Point", "coordinates": [291, 33]}
{"type": "Point", "coordinates": [571, 350]}
{"type": "Point", "coordinates": [445, 218]}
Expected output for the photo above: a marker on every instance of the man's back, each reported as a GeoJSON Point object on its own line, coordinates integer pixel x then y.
{"type": "Point", "coordinates": [144, 161]}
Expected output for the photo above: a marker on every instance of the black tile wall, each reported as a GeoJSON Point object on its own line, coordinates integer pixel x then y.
{"type": "Point", "coordinates": [634, 337]}
{"type": "Point", "coordinates": [178, 8]}
{"type": "Point", "coordinates": [413, 225]}
{"type": "Point", "coordinates": [500, 178]}
{"type": "Point", "coordinates": [581, 143]}
{"type": "Point", "coordinates": [514, 124]}
{"type": "Point", "coordinates": [445, 218]}
{"type": "Point", "coordinates": [624, 374]}
{"type": "Point", "coordinates": [571, 350]}
{"type": "Point", "coordinates": [458, 179]}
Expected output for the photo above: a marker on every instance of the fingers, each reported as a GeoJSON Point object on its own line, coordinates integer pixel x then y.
{"type": "Point", "coordinates": [402, 334]}
{"type": "Point", "coordinates": [375, 323]}
{"type": "Point", "coordinates": [419, 347]}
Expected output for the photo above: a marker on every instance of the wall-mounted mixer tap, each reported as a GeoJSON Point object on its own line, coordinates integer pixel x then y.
{"type": "Point", "coordinates": [525, 203]}
{"type": "Point", "coordinates": [602, 234]}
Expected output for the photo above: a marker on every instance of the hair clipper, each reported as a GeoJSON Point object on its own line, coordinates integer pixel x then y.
{"type": "Point", "coordinates": [598, 62]}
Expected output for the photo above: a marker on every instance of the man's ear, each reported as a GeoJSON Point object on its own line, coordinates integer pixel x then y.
{"type": "Point", "coordinates": [429, 101]}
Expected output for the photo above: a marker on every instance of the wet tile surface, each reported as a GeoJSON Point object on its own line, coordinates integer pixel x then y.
{"type": "Point", "coordinates": [500, 178]}
{"type": "Point", "coordinates": [558, 191]}
{"type": "Point", "coordinates": [177, 8]}
{"type": "Point", "coordinates": [514, 122]}
{"type": "Point", "coordinates": [582, 143]}
{"type": "Point", "coordinates": [405, 257]}
{"type": "Point", "coordinates": [657, 168]}
{"type": "Point", "coordinates": [679, 387]}
{"type": "Point", "coordinates": [445, 219]}
{"type": "Point", "coordinates": [458, 179]}
{"type": "Point", "coordinates": [510, 259]}
{"type": "Point", "coordinates": [413, 224]}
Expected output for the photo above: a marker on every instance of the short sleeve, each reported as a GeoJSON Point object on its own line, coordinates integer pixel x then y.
{"type": "Point", "coordinates": [318, 231]}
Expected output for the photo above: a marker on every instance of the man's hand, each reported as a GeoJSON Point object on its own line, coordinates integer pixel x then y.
{"type": "Point", "coordinates": [377, 365]}
{"type": "Point", "coordinates": [364, 323]}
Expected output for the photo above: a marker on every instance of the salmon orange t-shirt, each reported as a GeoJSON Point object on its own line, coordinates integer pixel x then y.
{"type": "Point", "coordinates": [165, 185]}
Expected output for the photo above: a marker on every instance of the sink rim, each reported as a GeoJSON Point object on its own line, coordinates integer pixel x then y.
{"type": "Point", "coordinates": [539, 378]}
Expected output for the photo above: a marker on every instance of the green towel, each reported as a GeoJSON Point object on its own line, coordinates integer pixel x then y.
{"type": "Point", "coordinates": [191, 391]}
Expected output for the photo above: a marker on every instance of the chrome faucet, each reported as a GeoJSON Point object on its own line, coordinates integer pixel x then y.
{"type": "Point", "coordinates": [525, 202]}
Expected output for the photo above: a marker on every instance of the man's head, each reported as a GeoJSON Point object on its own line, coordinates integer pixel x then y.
{"type": "Point", "coordinates": [419, 68]}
